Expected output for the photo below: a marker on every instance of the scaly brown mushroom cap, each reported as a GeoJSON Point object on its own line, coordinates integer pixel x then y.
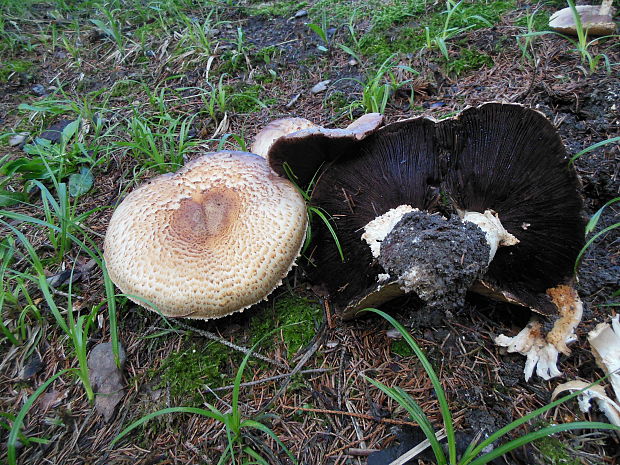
{"type": "Point", "coordinates": [211, 239]}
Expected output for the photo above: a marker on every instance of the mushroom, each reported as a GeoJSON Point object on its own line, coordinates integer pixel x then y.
{"type": "Point", "coordinates": [276, 129]}
{"type": "Point", "coordinates": [484, 201]}
{"type": "Point", "coordinates": [211, 239]}
{"type": "Point", "coordinates": [595, 20]}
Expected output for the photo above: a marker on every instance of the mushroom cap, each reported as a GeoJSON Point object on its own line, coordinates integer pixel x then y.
{"type": "Point", "coordinates": [318, 145]}
{"type": "Point", "coordinates": [500, 157]}
{"type": "Point", "coordinates": [594, 19]}
{"type": "Point", "coordinates": [276, 129]}
{"type": "Point", "coordinates": [211, 239]}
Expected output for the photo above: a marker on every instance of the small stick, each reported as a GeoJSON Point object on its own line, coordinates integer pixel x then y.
{"type": "Point", "coordinates": [360, 452]}
{"type": "Point", "coordinates": [411, 453]}
{"type": "Point", "coordinates": [271, 378]}
{"type": "Point", "coordinates": [221, 340]}
{"type": "Point", "coordinates": [352, 414]}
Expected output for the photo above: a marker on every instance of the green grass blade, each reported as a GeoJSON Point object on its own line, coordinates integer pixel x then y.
{"type": "Point", "coordinates": [150, 416]}
{"type": "Point", "coordinates": [416, 414]}
{"type": "Point", "coordinates": [592, 239]}
{"type": "Point", "coordinates": [19, 419]}
{"type": "Point", "coordinates": [519, 421]}
{"type": "Point", "coordinates": [441, 397]}
{"type": "Point", "coordinates": [596, 217]}
{"type": "Point", "coordinates": [541, 433]}
{"type": "Point", "coordinates": [331, 229]}
{"type": "Point", "coordinates": [259, 426]}
{"type": "Point", "coordinates": [593, 147]}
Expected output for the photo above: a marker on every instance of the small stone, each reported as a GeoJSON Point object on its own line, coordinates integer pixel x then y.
{"type": "Point", "coordinates": [18, 139]}
{"type": "Point", "coordinates": [301, 14]}
{"type": "Point", "coordinates": [54, 132]}
{"type": "Point", "coordinates": [320, 87]}
{"type": "Point", "coordinates": [32, 367]}
{"type": "Point", "coordinates": [353, 62]}
{"type": "Point", "coordinates": [39, 90]}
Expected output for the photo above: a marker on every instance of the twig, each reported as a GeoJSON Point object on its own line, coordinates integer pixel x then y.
{"type": "Point", "coordinates": [411, 453]}
{"type": "Point", "coordinates": [221, 340]}
{"type": "Point", "coordinates": [352, 414]}
{"type": "Point", "coordinates": [271, 378]}
{"type": "Point", "coordinates": [318, 340]}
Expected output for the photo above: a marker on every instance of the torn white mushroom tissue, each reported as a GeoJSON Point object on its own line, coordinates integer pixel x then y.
{"type": "Point", "coordinates": [605, 342]}
{"type": "Point", "coordinates": [495, 233]}
{"type": "Point", "coordinates": [610, 408]}
{"type": "Point", "coordinates": [380, 227]}
{"type": "Point", "coordinates": [531, 343]}
{"type": "Point", "coordinates": [541, 349]}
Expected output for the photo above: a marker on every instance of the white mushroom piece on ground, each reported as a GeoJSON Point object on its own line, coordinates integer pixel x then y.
{"type": "Point", "coordinates": [605, 342]}
{"type": "Point", "coordinates": [595, 20]}
{"type": "Point", "coordinates": [211, 239]}
{"type": "Point", "coordinates": [484, 202]}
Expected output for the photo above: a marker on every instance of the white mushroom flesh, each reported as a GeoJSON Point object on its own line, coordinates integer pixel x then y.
{"type": "Point", "coordinates": [610, 408]}
{"type": "Point", "coordinates": [605, 342]}
{"type": "Point", "coordinates": [495, 233]}
{"type": "Point", "coordinates": [542, 350]}
{"type": "Point", "coordinates": [376, 230]}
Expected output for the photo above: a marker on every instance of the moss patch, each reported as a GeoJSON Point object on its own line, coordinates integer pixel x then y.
{"type": "Point", "coordinates": [297, 317]}
{"type": "Point", "coordinates": [469, 60]}
{"type": "Point", "coordinates": [554, 452]}
{"type": "Point", "coordinates": [186, 372]}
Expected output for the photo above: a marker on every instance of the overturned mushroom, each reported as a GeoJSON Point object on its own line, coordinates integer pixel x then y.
{"type": "Point", "coordinates": [404, 197]}
{"type": "Point", "coordinates": [594, 19]}
{"type": "Point", "coordinates": [211, 239]}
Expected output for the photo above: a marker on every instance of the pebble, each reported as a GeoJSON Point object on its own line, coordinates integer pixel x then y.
{"type": "Point", "coordinates": [301, 14]}
{"type": "Point", "coordinates": [39, 90]}
{"type": "Point", "coordinates": [320, 87]}
{"type": "Point", "coordinates": [353, 62]}
{"type": "Point", "coordinates": [17, 139]}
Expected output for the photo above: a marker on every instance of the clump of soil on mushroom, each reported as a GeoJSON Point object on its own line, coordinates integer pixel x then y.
{"type": "Point", "coordinates": [448, 255]}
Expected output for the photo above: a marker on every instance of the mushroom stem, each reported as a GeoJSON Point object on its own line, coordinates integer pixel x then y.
{"type": "Point", "coordinates": [605, 7]}
{"type": "Point", "coordinates": [495, 233]}
{"type": "Point", "coordinates": [542, 349]}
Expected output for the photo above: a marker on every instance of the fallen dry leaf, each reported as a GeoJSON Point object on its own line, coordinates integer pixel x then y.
{"type": "Point", "coordinates": [106, 378]}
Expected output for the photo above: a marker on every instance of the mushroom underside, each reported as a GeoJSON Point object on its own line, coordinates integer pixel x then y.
{"type": "Point", "coordinates": [501, 158]}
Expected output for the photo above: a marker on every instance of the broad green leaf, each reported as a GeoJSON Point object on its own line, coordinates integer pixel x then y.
{"type": "Point", "coordinates": [80, 183]}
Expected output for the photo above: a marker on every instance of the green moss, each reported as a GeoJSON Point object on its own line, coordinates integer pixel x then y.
{"type": "Point", "coordinates": [283, 8]}
{"type": "Point", "coordinates": [14, 66]}
{"type": "Point", "coordinates": [401, 28]}
{"type": "Point", "coordinates": [246, 99]}
{"type": "Point", "coordinates": [186, 372]}
{"type": "Point", "coordinates": [469, 60]}
{"type": "Point", "coordinates": [554, 452]}
{"type": "Point", "coordinates": [124, 88]}
{"type": "Point", "coordinates": [401, 348]}
{"type": "Point", "coordinates": [297, 317]}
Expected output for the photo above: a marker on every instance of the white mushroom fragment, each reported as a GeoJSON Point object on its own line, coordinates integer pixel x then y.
{"type": "Point", "coordinates": [541, 349]}
{"type": "Point", "coordinates": [610, 408]}
{"type": "Point", "coordinates": [605, 342]}
{"type": "Point", "coordinates": [276, 129]}
{"type": "Point", "coordinates": [211, 239]}
{"type": "Point", "coordinates": [595, 20]}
